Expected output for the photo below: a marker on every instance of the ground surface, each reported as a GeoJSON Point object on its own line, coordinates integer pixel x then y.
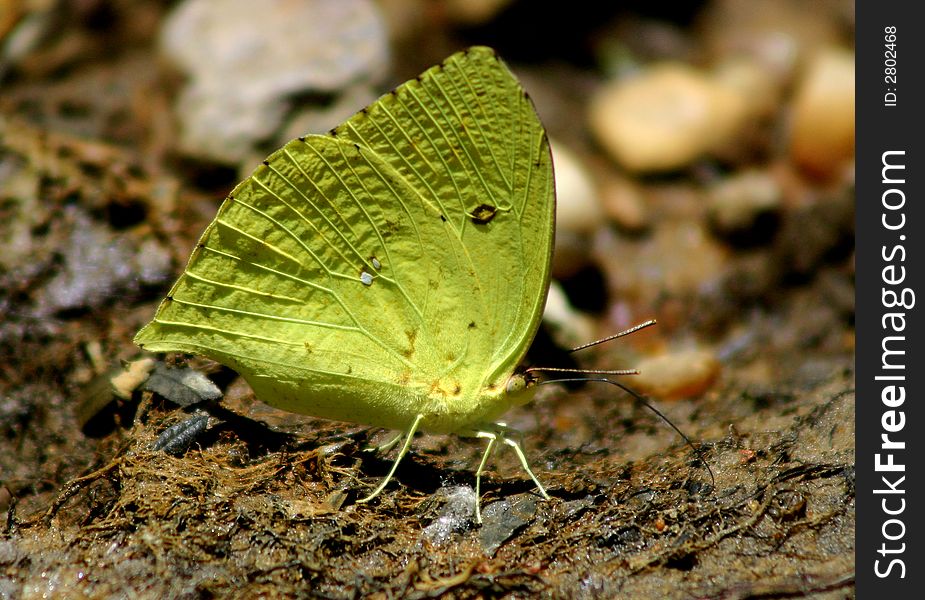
{"type": "Point", "coordinates": [100, 213]}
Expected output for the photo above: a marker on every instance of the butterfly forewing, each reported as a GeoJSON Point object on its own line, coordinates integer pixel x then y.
{"type": "Point", "coordinates": [465, 135]}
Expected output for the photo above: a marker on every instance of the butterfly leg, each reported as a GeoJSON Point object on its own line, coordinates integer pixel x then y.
{"type": "Point", "coordinates": [523, 462]}
{"type": "Point", "coordinates": [401, 454]}
{"type": "Point", "coordinates": [503, 431]}
{"type": "Point", "coordinates": [386, 447]}
{"type": "Point", "coordinates": [492, 440]}
{"type": "Point", "coordinates": [494, 434]}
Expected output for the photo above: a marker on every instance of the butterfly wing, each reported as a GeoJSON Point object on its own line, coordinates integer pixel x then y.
{"type": "Point", "coordinates": [401, 259]}
{"type": "Point", "coordinates": [467, 138]}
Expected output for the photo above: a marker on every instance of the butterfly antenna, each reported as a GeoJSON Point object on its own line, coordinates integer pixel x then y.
{"type": "Point", "coordinates": [632, 329]}
{"type": "Point", "coordinates": [641, 399]}
{"type": "Point", "coordinates": [638, 397]}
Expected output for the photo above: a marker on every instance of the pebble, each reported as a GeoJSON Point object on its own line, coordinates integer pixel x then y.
{"type": "Point", "coordinates": [473, 12]}
{"type": "Point", "coordinates": [679, 259]}
{"type": "Point", "coordinates": [682, 374]}
{"type": "Point", "coordinates": [822, 129]}
{"type": "Point", "coordinates": [624, 204]}
{"type": "Point", "coordinates": [578, 208]}
{"type": "Point", "coordinates": [245, 60]}
{"type": "Point", "coordinates": [578, 212]}
{"type": "Point", "coordinates": [129, 379]}
{"type": "Point", "coordinates": [568, 327]}
{"type": "Point", "coordinates": [94, 266]}
{"type": "Point", "coordinates": [454, 516]}
{"type": "Point", "coordinates": [759, 89]}
{"type": "Point", "coordinates": [502, 519]}
{"type": "Point", "coordinates": [736, 203]}
{"type": "Point", "coordinates": [665, 118]}
{"type": "Point", "coordinates": [778, 35]}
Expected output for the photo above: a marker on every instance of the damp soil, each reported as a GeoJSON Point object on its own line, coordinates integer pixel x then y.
{"type": "Point", "coordinates": [249, 501]}
{"type": "Point", "coordinates": [257, 501]}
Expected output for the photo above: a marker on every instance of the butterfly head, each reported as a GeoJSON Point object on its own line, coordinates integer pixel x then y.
{"type": "Point", "coordinates": [520, 388]}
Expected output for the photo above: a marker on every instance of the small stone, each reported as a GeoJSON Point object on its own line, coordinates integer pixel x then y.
{"type": "Point", "coordinates": [578, 212]}
{"type": "Point", "coordinates": [665, 118]}
{"type": "Point", "coordinates": [183, 386]}
{"type": "Point", "coordinates": [577, 205]}
{"type": "Point", "coordinates": [676, 375]}
{"type": "Point", "coordinates": [822, 131]}
{"type": "Point", "coordinates": [779, 35]}
{"type": "Point", "coordinates": [455, 515]}
{"type": "Point", "coordinates": [737, 203]}
{"type": "Point", "coordinates": [624, 204]}
{"type": "Point", "coordinates": [502, 519]}
{"type": "Point", "coordinates": [753, 82]}
{"type": "Point", "coordinates": [245, 61]}
{"type": "Point", "coordinates": [130, 378]}
{"type": "Point", "coordinates": [568, 327]}
{"type": "Point", "coordinates": [95, 265]}
{"type": "Point", "coordinates": [473, 12]}
{"type": "Point", "coordinates": [679, 259]}
{"type": "Point", "coordinates": [152, 263]}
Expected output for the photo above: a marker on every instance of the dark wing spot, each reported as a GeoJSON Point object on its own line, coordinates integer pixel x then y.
{"type": "Point", "coordinates": [442, 218]}
{"type": "Point", "coordinates": [483, 213]}
{"type": "Point", "coordinates": [302, 137]}
{"type": "Point", "coordinates": [412, 335]}
{"type": "Point", "coordinates": [266, 163]}
{"type": "Point", "coordinates": [472, 325]}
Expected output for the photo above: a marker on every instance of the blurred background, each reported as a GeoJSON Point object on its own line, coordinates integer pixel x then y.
{"type": "Point", "coordinates": [704, 157]}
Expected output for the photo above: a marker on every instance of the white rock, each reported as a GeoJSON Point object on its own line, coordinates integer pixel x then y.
{"type": "Point", "coordinates": [245, 59]}
{"type": "Point", "coordinates": [578, 208]}
{"type": "Point", "coordinates": [735, 202]}
{"type": "Point", "coordinates": [578, 211]}
{"type": "Point", "coordinates": [624, 203]}
{"type": "Point", "coordinates": [568, 327]}
{"type": "Point", "coordinates": [665, 118]}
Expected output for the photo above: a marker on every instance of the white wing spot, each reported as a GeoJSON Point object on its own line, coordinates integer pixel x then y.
{"type": "Point", "coordinates": [366, 278]}
{"type": "Point", "coordinates": [376, 264]}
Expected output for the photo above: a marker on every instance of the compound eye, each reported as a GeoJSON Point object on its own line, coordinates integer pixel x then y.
{"type": "Point", "coordinates": [520, 388]}
{"type": "Point", "coordinates": [516, 384]}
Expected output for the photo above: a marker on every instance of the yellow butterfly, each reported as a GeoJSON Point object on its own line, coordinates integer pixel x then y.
{"type": "Point", "coordinates": [391, 273]}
